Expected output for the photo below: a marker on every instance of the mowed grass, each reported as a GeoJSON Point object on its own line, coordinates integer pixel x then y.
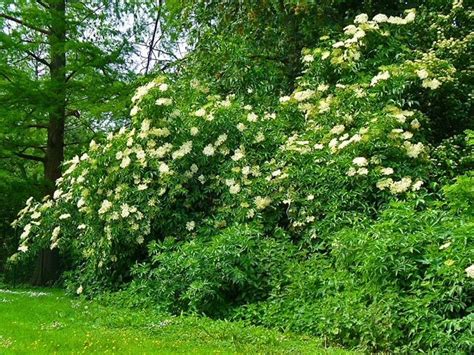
{"type": "Point", "coordinates": [48, 321]}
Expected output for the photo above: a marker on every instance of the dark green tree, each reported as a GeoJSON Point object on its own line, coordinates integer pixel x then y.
{"type": "Point", "coordinates": [65, 71]}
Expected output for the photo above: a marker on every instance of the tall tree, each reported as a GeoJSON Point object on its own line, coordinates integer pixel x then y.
{"type": "Point", "coordinates": [257, 44]}
{"type": "Point", "coordinates": [64, 74]}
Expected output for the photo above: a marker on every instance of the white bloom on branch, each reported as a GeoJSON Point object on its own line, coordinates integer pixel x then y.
{"type": "Point", "coordinates": [380, 18]}
{"type": "Point", "coordinates": [362, 18]}
{"type": "Point", "coordinates": [360, 161]}
{"type": "Point", "coordinates": [208, 150]}
{"type": "Point", "coordinates": [422, 73]}
{"type": "Point", "coordinates": [200, 113]}
{"type": "Point", "coordinates": [190, 225]}
{"type": "Point", "coordinates": [105, 206]}
{"type": "Point", "coordinates": [308, 58]}
{"type": "Point", "coordinates": [234, 189]}
{"type": "Point", "coordinates": [338, 129]}
{"type": "Point", "coordinates": [252, 117]}
{"type": "Point", "coordinates": [164, 168]}
{"type": "Point", "coordinates": [387, 171]}
{"type": "Point", "coordinates": [380, 76]}
{"type": "Point", "coordinates": [262, 202]}
{"type": "Point", "coordinates": [164, 101]}
{"type": "Point", "coordinates": [125, 162]}
{"type": "Point", "coordinates": [470, 271]}
{"type": "Point", "coordinates": [432, 84]}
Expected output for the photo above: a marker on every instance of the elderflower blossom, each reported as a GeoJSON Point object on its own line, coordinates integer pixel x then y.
{"type": "Point", "coordinates": [260, 137]}
{"type": "Point", "coordinates": [36, 215]}
{"type": "Point", "coordinates": [125, 162]}
{"type": "Point", "coordinates": [432, 84]}
{"type": "Point", "coordinates": [105, 206]}
{"type": "Point", "coordinates": [422, 73]}
{"type": "Point", "coordinates": [164, 168]}
{"type": "Point", "coordinates": [415, 124]}
{"type": "Point", "coordinates": [417, 185]}
{"type": "Point", "coordinates": [163, 87]}
{"type": "Point", "coordinates": [362, 18]}
{"type": "Point", "coordinates": [208, 150]}
{"type": "Point", "coordinates": [200, 113]}
{"type": "Point", "coordinates": [220, 140]}
{"type": "Point", "coordinates": [163, 101]}
{"type": "Point", "coordinates": [262, 202]}
{"type": "Point", "coordinates": [414, 150]}
{"type": "Point", "coordinates": [470, 271]}
{"type": "Point", "coordinates": [380, 76]}
{"type": "Point", "coordinates": [380, 18]}
{"type": "Point", "coordinates": [190, 225]}
{"type": "Point", "coordinates": [384, 183]}
{"type": "Point", "coordinates": [185, 149]}
{"type": "Point", "coordinates": [338, 129]}
{"type": "Point", "coordinates": [400, 186]}
{"type": "Point", "coordinates": [308, 58]}
{"type": "Point", "coordinates": [125, 210]}
{"type": "Point", "coordinates": [252, 117]}
{"type": "Point", "coordinates": [238, 154]}
{"type": "Point", "coordinates": [134, 111]}
{"type": "Point", "coordinates": [360, 161]}
{"type": "Point", "coordinates": [56, 232]}
{"type": "Point", "coordinates": [303, 95]}
{"type": "Point", "coordinates": [386, 171]}
{"type": "Point", "coordinates": [234, 189]}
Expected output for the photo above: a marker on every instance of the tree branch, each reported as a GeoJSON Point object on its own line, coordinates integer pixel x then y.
{"type": "Point", "coordinates": [31, 157]}
{"type": "Point", "coordinates": [39, 59]}
{"type": "Point", "coordinates": [37, 126]}
{"type": "Point", "coordinates": [42, 4]}
{"type": "Point", "coordinates": [152, 42]}
{"type": "Point", "coordinates": [70, 75]}
{"type": "Point", "coordinates": [21, 22]}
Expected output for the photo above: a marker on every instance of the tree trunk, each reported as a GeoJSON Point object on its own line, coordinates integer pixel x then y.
{"type": "Point", "coordinates": [47, 265]}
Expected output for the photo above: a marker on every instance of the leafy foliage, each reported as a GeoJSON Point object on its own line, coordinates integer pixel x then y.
{"type": "Point", "coordinates": [322, 213]}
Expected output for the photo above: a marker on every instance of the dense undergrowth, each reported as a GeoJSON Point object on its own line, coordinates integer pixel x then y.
{"type": "Point", "coordinates": [345, 210]}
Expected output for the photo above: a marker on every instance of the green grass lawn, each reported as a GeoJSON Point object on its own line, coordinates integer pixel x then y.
{"type": "Point", "coordinates": [48, 321]}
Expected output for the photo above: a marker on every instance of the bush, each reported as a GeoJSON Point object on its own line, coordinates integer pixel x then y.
{"type": "Point", "coordinates": [211, 275]}
{"type": "Point", "coordinates": [207, 204]}
{"type": "Point", "coordinates": [401, 283]}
